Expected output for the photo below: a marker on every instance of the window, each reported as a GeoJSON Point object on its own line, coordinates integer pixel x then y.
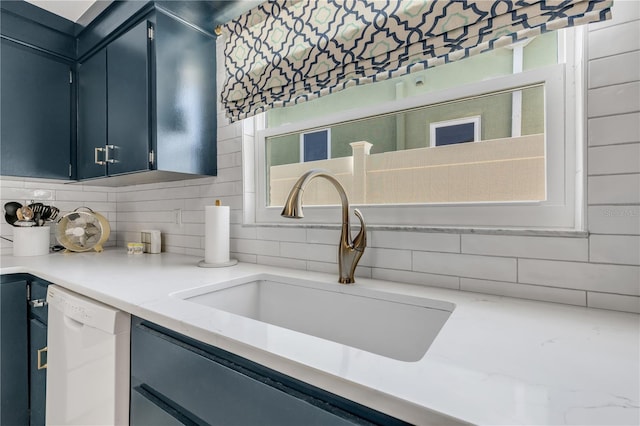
{"type": "Point", "coordinates": [401, 139]}
{"type": "Point", "coordinates": [450, 132]}
{"type": "Point", "coordinates": [315, 145]}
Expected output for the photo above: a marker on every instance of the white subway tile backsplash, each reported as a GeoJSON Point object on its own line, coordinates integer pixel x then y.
{"type": "Point", "coordinates": [304, 251]}
{"type": "Point", "coordinates": [332, 268]}
{"type": "Point", "coordinates": [184, 241]}
{"type": "Point", "coordinates": [169, 193]}
{"type": "Point", "coordinates": [614, 129]}
{"type": "Point", "coordinates": [614, 159]}
{"type": "Point", "coordinates": [614, 219]}
{"type": "Point", "coordinates": [217, 190]}
{"type": "Point", "coordinates": [244, 232]}
{"type": "Point", "coordinates": [151, 205]}
{"type": "Point", "coordinates": [146, 217]}
{"type": "Point", "coordinates": [620, 249]}
{"type": "Point", "coordinates": [232, 174]}
{"type": "Point", "coordinates": [620, 279]}
{"type": "Point", "coordinates": [614, 302]}
{"type": "Point", "coordinates": [266, 248]}
{"type": "Point", "coordinates": [150, 186]}
{"type": "Point", "coordinates": [194, 252]}
{"type": "Point", "coordinates": [230, 145]}
{"type": "Point", "coordinates": [525, 291]}
{"type": "Point", "coordinates": [466, 265]}
{"type": "Point", "coordinates": [616, 69]}
{"type": "Point", "coordinates": [626, 36]}
{"type": "Point", "coordinates": [616, 189]}
{"type": "Point", "coordinates": [186, 229]}
{"type": "Point", "coordinates": [233, 201]}
{"type": "Point", "coordinates": [84, 196]}
{"type": "Point", "coordinates": [282, 262]}
{"type": "Point", "coordinates": [323, 236]}
{"type": "Point", "coordinates": [431, 280]}
{"type": "Point", "coordinates": [234, 217]}
{"type": "Point", "coordinates": [23, 195]}
{"type": "Point", "coordinates": [531, 247]}
{"type": "Point", "coordinates": [386, 258]}
{"type": "Point", "coordinates": [226, 161]}
{"type": "Point", "coordinates": [229, 131]}
{"type": "Point", "coordinates": [191, 216]}
{"type": "Point", "coordinates": [423, 241]}
{"type": "Point", "coordinates": [610, 100]}
{"type": "Point", "coordinates": [243, 257]}
{"type": "Point", "coordinates": [295, 235]}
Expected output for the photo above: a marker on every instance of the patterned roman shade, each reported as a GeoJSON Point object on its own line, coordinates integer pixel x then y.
{"type": "Point", "coordinates": [285, 52]}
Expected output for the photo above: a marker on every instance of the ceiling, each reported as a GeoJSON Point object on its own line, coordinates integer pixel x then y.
{"type": "Point", "coordinates": [69, 9]}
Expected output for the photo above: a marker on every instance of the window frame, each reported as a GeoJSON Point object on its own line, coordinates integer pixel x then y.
{"type": "Point", "coordinates": [476, 120]}
{"type": "Point", "coordinates": [302, 147]}
{"type": "Point", "coordinates": [563, 209]}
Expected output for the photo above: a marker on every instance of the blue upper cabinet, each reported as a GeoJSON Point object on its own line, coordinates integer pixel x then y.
{"type": "Point", "coordinates": [113, 107]}
{"type": "Point", "coordinates": [37, 103]}
{"type": "Point", "coordinates": [146, 98]}
{"type": "Point", "coordinates": [131, 91]}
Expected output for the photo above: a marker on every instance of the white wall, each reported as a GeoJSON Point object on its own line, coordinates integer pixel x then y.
{"type": "Point", "coordinates": [602, 270]}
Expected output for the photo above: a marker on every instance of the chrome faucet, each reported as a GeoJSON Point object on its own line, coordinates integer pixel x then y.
{"type": "Point", "coordinates": [349, 252]}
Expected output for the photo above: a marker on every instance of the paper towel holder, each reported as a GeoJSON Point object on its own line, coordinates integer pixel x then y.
{"type": "Point", "coordinates": [230, 262]}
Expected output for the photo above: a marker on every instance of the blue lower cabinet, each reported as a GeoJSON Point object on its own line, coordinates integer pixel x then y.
{"type": "Point", "coordinates": [14, 356]}
{"type": "Point", "coordinates": [23, 342]}
{"type": "Point", "coordinates": [177, 380]}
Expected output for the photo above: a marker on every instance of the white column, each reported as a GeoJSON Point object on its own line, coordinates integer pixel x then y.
{"type": "Point", "coordinates": [360, 152]}
{"type": "Point", "coordinates": [516, 96]}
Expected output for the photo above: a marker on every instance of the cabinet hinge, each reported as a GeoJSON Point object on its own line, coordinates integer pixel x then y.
{"type": "Point", "coordinates": [28, 291]}
{"type": "Point", "coordinates": [150, 32]}
{"type": "Point", "coordinates": [70, 170]}
{"type": "Point", "coordinates": [70, 76]}
{"type": "Point", "coordinates": [152, 157]}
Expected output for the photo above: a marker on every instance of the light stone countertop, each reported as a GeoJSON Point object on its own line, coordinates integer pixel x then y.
{"type": "Point", "coordinates": [497, 360]}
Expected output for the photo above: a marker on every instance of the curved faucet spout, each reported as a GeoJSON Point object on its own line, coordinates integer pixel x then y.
{"type": "Point", "coordinates": [349, 251]}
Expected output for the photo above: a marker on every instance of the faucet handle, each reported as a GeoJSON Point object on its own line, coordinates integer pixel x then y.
{"type": "Point", "coordinates": [360, 241]}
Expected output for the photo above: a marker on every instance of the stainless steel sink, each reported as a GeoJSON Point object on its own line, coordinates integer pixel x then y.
{"type": "Point", "coordinates": [395, 326]}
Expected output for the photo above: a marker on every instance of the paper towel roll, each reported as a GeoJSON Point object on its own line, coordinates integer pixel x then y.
{"type": "Point", "coordinates": [216, 235]}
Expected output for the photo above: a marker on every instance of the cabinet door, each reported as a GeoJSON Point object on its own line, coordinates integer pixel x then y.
{"type": "Point", "coordinates": [210, 390]}
{"type": "Point", "coordinates": [128, 120]}
{"type": "Point", "coordinates": [14, 356]}
{"type": "Point", "coordinates": [38, 372]}
{"type": "Point", "coordinates": [92, 116]}
{"type": "Point", "coordinates": [35, 113]}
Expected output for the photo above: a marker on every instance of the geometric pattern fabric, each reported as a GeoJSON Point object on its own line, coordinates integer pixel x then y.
{"type": "Point", "coordinates": [284, 52]}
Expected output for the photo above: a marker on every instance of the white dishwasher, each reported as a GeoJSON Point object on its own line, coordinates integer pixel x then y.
{"type": "Point", "coordinates": [87, 361]}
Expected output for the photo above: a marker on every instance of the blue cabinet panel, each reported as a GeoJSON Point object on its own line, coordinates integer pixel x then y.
{"type": "Point", "coordinates": [185, 102]}
{"type": "Point", "coordinates": [14, 382]}
{"type": "Point", "coordinates": [128, 101]}
{"type": "Point", "coordinates": [23, 336]}
{"type": "Point", "coordinates": [206, 385]}
{"type": "Point", "coordinates": [35, 110]}
{"type": "Point", "coordinates": [37, 27]}
{"type": "Point", "coordinates": [92, 115]}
